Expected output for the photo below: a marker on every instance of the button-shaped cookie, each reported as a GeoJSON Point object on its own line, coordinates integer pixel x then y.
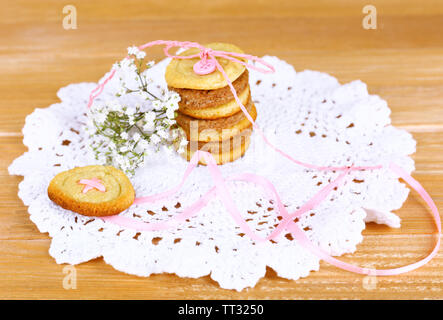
{"type": "Point", "coordinates": [180, 73]}
{"type": "Point", "coordinates": [92, 190]}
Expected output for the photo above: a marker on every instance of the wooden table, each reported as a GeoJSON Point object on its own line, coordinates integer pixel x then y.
{"type": "Point", "coordinates": [401, 60]}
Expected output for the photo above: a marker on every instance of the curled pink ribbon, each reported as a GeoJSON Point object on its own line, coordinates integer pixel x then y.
{"type": "Point", "coordinates": [93, 183]}
{"type": "Point", "coordinates": [221, 190]}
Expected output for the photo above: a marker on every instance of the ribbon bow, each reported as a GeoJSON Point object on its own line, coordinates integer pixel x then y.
{"type": "Point", "coordinates": [208, 54]}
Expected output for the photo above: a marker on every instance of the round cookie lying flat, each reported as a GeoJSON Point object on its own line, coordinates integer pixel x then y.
{"type": "Point", "coordinates": [223, 110]}
{"type": "Point", "coordinates": [110, 194]}
{"type": "Point", "coordinates": [224, 151]}
{"type": "Point", "coordinates": [218, 129]}
{"type": "Point", "coordinates": [180, 72]}
{"type": "Point", "coordinates": [213, 104]}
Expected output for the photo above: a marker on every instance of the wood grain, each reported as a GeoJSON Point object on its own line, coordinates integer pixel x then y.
{"type": "Point", "coordinates": [401, 61]}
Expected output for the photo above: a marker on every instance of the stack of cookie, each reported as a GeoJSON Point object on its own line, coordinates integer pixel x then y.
{"type": "Point", "coordinates": [208, 112]}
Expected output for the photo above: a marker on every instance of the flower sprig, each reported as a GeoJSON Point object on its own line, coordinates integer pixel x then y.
{"type": "Point", "coordinates": [123, 135]}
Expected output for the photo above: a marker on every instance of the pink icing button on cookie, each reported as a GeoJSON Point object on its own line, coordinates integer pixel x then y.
{"type": "Point", "coordinates": [93, 183]}
{"type": "Point", "coordinates": [203, 67]}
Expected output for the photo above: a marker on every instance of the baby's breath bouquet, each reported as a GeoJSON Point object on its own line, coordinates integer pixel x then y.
{"type": "Point", "coordinates": [123, 135]}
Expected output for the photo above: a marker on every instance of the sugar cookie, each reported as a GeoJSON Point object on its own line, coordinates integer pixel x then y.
{"type": "Point", "coordinates": [219, 111]}
{"type": "Point", "coordinates": [217, 129]}
{"type": "Point", "coordinates": [180, 72]}
{"type": "Point", "coordinates": [92, 190]}
{"type": "Point", "coordinates": [212, 104]}
{"type": "Point", "coordinates": [224, 151]}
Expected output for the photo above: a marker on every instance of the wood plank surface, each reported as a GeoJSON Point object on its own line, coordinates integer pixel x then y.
{"type": "Point", "coordinates": [402, 61]}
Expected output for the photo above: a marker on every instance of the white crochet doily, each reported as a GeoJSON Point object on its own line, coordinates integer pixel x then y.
{"type": "Point", "coordinates": [308, 114]}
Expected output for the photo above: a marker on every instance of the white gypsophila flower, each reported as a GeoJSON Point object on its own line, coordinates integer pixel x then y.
{"type": "Point", "coordinates": [173, 105]}
{"type": "Point", "coordinates": [150, 116]}
{"type": "Point", "coordinates": [120, 161]}
{"type": "Point", "coordinates": [140, 55]}
{"type": "Point", "coordinates": [125, 63]}
{"type": "Point", "coordinates": [142, 146]}
{"type": "Point", "coordinates": [174, 134]}
{"type": "Point", "coordinates": [170, 113]}
{"type": "Point", "coordinates": [149, 119]}
{"type": "Point", "coordinates": [181, 150]}
{"type": "Point", "coordinates": [114, 105]}
{"type": "Point", "coordinates": [124, 149]}
{"type": "Point", "coordinates": [108, 131]}
{"type": "Point", "coordinates": [130, 112]}
{"type": "Point", "coordinates": [127, 67]}
{"type": "Point", "coordinates": [173, 97]}
{"type": "Point", "coordinates": [163, 133]}
{"type": "Point", "coordinates": [112, 146]}
{"type": "Point", "coordinates": [183, 142]}
{"type": "Point", "coordinates": [99, 117]}
{"type": "Point", "coordinates": [133, 50]}
{"type": "Point", "coordinates": [155, 139]}
{"type": "Point", "coordinates": [116, 66]}
{"type": "Point", "coordinates": [136, 136]}
{"type": "Point", "coordinates": [124, 135]}
{"type": "Point", "coordinates": [149, 126]}
{"type": "Point", "coordinates": [141, 162]}
{"type": "Point", "coordinates": [157, 105]}
{"type": "Point", "coordinates": [95, 108]}
{"type": "Point", "coordinates": [169, 122]}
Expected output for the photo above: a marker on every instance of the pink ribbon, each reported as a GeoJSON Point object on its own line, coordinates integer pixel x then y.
{"type": "Point", "coordinates": [221, 190]}
{"type": "Point", "coordinates": [93, 183]}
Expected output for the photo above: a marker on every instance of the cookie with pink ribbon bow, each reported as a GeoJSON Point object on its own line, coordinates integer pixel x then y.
{"type": "Point", "coordinates": [92, 190]}
{"type": "Point", "coordinates": [200, 73]}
